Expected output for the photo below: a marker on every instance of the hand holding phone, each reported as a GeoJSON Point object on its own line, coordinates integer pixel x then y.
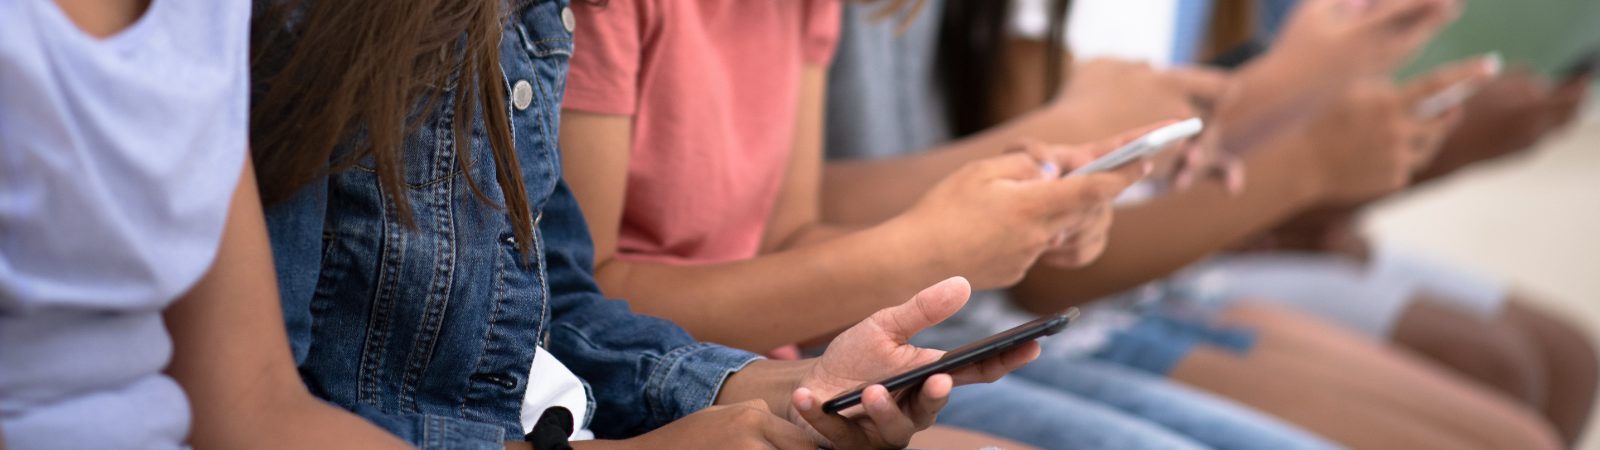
{"type": "Point", "coordinates": [1450, 97]}
{"type": "Point", "coordinates": [1150, 144]}
{"type": "Point", "coordinates": [961, 357]}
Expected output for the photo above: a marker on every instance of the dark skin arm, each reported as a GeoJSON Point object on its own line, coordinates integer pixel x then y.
{"type": "Point", "coordinates": [1144, 242]}
{"type": "Point", "coordinates": [231, 356]}
{"type": "Point", "coordinates": [1363, 147]}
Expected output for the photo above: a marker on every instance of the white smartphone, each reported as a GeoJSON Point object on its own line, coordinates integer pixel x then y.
{"type": "Point", "coordinates": [1145, 146]}
{"type": "Point", "coordinates": [1440, 102]}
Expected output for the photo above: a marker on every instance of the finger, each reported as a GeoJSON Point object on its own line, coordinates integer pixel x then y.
{"type": "Point", "coordinates": [782, 434]}
{"type": "Point", "coordinates": [1025, 164]}
{"type": "Point", "coordinates": [837, 430]}
{"type": "Point", "coordinates": [989, 370]}
{"type": "Point", "coordinates": [893, 426]}
{"type": "Point", "coordinates": [935, 393]}
{"type": "Point", "coordinates": [929, 307]}
{"type": "Point", "coordinates": [1073, 196]}
{"type": "Point", "coordinates": [1049, 158]}
{"type": "Point", "coordinates": [1233, 175]}
{"type": "Point", "coordinates": [1451, 85]}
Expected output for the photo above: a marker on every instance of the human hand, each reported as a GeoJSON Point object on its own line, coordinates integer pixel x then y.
{"type": "Point", "coordinates": [876, 349]}
{"type": "Point", "coordinates": [745, 425]}
{"type": "Point", "coordinates": [993, 218]}
{"type": "Point", "coordinates": [1511, 114]}
{"type": "Point", "coordinates": [1370, 142]}
{"type": "Point", "coordinates": [1124, 94]}
{"type": "Point", "coordinates": [1355, 38]}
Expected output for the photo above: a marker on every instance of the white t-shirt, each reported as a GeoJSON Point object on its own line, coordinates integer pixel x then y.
{"type": "Point", "coordinates": [118, 158]}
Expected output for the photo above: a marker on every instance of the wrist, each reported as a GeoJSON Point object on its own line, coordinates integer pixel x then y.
{"type": "Point", "coordinates": [1306, 70]}
{"type": "Point", "coordinates": [1293, 171]}
{"type": "Point", "coordinates": [771, 381]}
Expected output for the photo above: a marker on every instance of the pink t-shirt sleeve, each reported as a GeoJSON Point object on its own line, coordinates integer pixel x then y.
{"type": "Point", "coordinates": [821, 31]}
{"type": "Point", "coordinates": [603, 75]}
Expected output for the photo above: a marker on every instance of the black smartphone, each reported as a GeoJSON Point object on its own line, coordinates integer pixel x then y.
{"type": "Point", "coordinates": [1585, 64]}
{"type": "Point", "coordinates": [969, 354]}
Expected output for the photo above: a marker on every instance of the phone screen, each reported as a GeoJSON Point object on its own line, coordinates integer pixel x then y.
{"type": "Point", "coordinates": [961, 357]}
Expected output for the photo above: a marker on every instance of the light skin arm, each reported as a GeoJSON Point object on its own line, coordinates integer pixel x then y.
{"type": "Point", "coordinates": [230, 353]}
{"type": "Point", "coordinates": [868, 270]}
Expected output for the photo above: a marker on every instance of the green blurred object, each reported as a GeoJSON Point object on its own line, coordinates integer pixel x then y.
{"type": "Point", "coordinates": [1545, 36]}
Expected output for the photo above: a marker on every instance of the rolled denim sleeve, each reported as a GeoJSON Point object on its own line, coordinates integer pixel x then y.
{"type": "Point", "coordinates": [644, 371]}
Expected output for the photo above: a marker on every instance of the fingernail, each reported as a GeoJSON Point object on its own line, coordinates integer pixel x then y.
{"type": "Point", "coordinates": [804, 402]}
{"type": "Point", "coordinates": [1050, 169]}
{"type": "Point", "coordinates": [1494, 63]}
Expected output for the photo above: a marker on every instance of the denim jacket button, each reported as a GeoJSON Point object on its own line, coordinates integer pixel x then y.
{"type": "Point", "coordinates": [522, 95]}
{"type": "Point", "coordinates": [568, 20]}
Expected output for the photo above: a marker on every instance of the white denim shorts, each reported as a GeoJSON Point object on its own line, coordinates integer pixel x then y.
{"type": "Point", "coordinates": [1368, 297]}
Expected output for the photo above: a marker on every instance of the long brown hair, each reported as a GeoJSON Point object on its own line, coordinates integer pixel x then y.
{"type": "Point", "coordinates": [331, 71]}
{"type": "Point", "coordinates": [972, 40]}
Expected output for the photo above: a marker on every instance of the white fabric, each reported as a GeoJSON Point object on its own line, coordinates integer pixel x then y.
{"type": "Point", "coordinates": [1469, 291]}
{"type": "Point", "coordinates": [1137, 30]}
{"type": "Point", "coordinates": [1331, 287]}
{"type": "Point", "coordinates": [1368, 298]}
{"type": "Point", "coordinates": [551, 384]}
{"type": "Point", "coordinates": [118, 158]}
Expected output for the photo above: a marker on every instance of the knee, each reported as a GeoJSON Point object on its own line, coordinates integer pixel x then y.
{"type": "Point", "coordinates": [1503, 357]}
{"type": "Point", "coordinates": [1565, 347]}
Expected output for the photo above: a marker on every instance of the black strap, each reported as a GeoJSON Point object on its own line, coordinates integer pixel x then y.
{"type": "Point", "coordinates": [552, 429]}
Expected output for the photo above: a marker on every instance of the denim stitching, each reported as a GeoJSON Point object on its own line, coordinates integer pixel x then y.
{"type": "Point", "coordinates": [437, 299]}
{"type": "Point", "coordinates": [656, 383]}
{"type": "Point", "coordinates": [373, 352]}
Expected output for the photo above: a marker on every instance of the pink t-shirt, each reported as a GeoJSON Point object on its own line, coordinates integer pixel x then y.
{"type": "Point", "coordinates": [713, 88]}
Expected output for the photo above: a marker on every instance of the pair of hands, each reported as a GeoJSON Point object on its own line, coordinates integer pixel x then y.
{"type": "Point", "coordinates": [873, 349]}
{"type": "Point", "coordinates": [992, 219]}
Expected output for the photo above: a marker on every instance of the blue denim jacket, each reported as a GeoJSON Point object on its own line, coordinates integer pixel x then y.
{"type": "Point", "coordinates": [429, 330]}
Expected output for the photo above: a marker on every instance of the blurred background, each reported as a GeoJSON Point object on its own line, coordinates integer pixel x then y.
{"type": "Point", "coordinates": [1533, 218]}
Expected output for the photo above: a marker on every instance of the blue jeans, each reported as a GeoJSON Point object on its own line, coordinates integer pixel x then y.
{"type": "Point", "coordinates": [1209, 420]}
{"type": "Point", "coordinates": [1039, 415]}
{"type": "Point", "coordinates": [1060, 402]}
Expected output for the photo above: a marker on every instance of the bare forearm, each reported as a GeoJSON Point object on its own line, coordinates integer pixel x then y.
{"type": "Point", "coordinates": [1273, 94]}
{"type": "Point", "coordinates": [1153, 239]}
{"type": "Point", "coordinates": [299, 420]}
{"type": "Point", "coordinates": [869, 192]}
{"type": "Point", "coordinates": [773, 300]}
{"type": "Point", "coordinates": [767, 380]}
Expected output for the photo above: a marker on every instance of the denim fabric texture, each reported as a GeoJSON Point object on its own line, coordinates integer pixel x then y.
{"type": "Point", "coordinates": [1162, 339]}
{"type": "Point", "coordinates": [1199, 416]}
{"type": "Point", "coordinates": [429, 329]}
{"type": "Point", "coordinates": [1072, 402]}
